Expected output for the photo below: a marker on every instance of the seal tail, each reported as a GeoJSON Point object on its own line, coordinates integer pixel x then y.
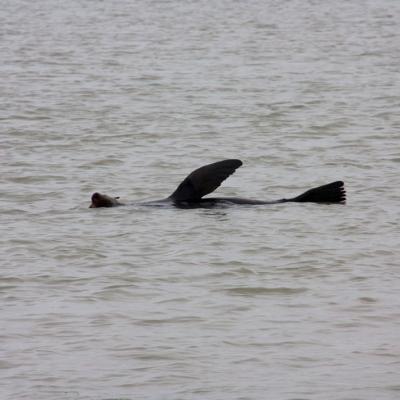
{"type": "Point", "coordinates": [331, 193]}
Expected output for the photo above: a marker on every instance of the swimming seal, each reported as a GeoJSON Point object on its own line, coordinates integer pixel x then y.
{"type": "Point", "coordinates": [202, 181]}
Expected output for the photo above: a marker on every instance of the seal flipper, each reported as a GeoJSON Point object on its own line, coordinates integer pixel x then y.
{"type": "Point", "coordinates": [204, 180]}
{"type": "Point", "coordinates": [331, 193]}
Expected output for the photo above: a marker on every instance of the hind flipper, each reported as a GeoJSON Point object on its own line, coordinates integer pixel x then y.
{"type": "Point", "coordinates": [331, 193]}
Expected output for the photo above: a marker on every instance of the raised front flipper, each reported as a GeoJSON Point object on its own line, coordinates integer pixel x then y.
{"type": "Point", "coordinates": [204, 180]}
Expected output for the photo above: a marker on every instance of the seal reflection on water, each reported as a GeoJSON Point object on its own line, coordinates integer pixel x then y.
{"type": "Point", "coordinates": [191, 191]}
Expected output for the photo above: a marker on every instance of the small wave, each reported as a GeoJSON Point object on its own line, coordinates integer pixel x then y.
{"type": "Point", "coordinates": [175, 320]}
{"type": "Point", "coordinates": [250, 291]}
{"type": "Point", "coordinates": [32, 179]}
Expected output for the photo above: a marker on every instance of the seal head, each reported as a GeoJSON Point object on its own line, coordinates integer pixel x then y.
{"type": "Point", "coordinates": [102, 200]}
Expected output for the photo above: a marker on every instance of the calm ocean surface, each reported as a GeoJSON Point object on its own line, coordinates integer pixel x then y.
{"type": "Point", "coordinates": [282, 302]}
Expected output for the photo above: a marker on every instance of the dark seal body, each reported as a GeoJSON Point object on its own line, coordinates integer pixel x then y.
{"type": "Point", "coordinates": [204, 180]}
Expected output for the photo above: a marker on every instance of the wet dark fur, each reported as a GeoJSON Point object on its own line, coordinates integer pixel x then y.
{"type": "Point", "coordinates": [204, 180]}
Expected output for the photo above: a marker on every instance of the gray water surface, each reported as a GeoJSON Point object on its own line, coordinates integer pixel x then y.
{"type": "Point", "coordinates": [290, 301]}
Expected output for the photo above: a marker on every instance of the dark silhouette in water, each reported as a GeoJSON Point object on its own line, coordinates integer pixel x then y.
{"type": "Point", "coordinates": [190, 193]}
